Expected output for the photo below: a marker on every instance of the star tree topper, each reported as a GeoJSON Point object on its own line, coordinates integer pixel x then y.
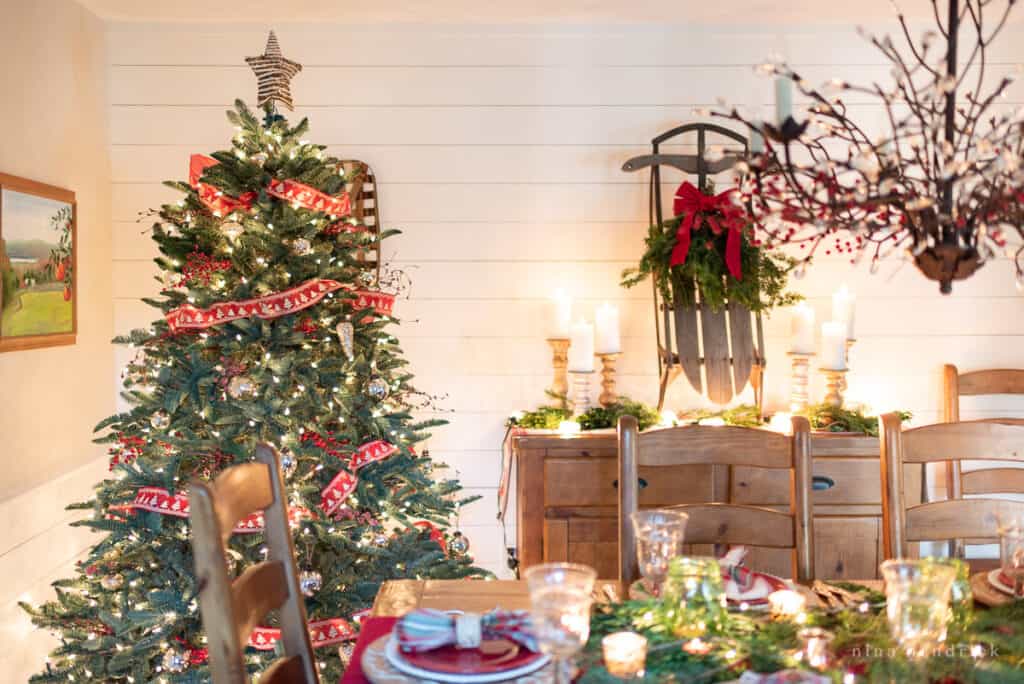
{"type": "Point", "coordinates": [274, 74]}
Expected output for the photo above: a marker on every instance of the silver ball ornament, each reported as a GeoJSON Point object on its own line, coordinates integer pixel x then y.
{"type": "Point", "coordinates": [160, 420]}
{"type": "Point", "coordinates": [459, 543]}
{"type": "Point", "coordinates": [310, 582]}
{"type": "Point", "coordinates": [378, 388]}
{"type": "Point", "coordinates": [302, 246]}
{"type": "Point", "coordinates": [380, 540]}
{"type": "Point", "coordinates": [366, 278]}
{"type": "Point", "coordinates": [288, 464]}
{"type": "Point", "coordinates": [241, 386]}
{"type": "Point", "coordinates": [112, 582]}
{"type": "Point", "coordinates": [174, 660]}
{"type": "Point", "coordinates": [260, 158]}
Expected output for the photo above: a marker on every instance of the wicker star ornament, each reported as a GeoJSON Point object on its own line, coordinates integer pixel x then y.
{"type": "Point", "coordinates": [274, 74]}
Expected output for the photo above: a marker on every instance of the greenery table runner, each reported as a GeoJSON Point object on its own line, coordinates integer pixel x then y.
{"type": "Point", "coordinates": [982, 645]}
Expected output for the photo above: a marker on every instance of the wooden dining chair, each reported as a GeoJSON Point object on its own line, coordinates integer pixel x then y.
{"type": "Point", "coordinates": [980, 480]}
{"type": "Point", "coordinates": [955, 518]}
{"type": "Point", "coordinates": [231, 610]}
{"type": "Point", "coordinates": [722, 523]}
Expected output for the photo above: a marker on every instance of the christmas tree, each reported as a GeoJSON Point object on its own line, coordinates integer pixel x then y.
{"type": "Point", "coordinates": [272, 329]}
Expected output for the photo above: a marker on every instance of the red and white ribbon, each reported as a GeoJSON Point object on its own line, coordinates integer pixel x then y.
{"type": "Point", "coordinates": [290, 190]}
{"type": "Point", "coordinates": [321, 633]}
{"type": "Point", "coordinates": [310, 198]}
{"type": "Point", "coordinates": [159, 500]}
{"type": "Point", "coordinates": [345, 482]}
{"type": "Point", "coordinates": [271, 306]}
{"type": "Point", "coordinates": [381, 302]}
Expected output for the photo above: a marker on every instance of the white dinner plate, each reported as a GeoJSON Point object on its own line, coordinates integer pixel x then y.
{"type": "Point", "coordinates": [394, 656]}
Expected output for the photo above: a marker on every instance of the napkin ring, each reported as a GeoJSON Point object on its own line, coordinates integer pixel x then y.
{"type": "Point", "coordinates": [468, 630]}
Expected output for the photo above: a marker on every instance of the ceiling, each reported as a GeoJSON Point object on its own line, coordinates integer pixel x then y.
{"type": "Point", "coordinates": [508, 11]}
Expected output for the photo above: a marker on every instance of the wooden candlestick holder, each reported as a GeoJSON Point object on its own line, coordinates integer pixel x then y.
{"type": "Point", "coordinates": [849, 346]}
{"type": "Point", "coordinates": [559, 361]}
{"type": "Point", "coordinates": [580, 392]}
{"type": "Point", "coordinates": [608, 395]}
{"type": "Point", "coordinates": [799, 380]}
{"type": "Point", "coordinates": [835, 382]}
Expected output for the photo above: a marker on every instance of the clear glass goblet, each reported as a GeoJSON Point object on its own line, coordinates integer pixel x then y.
{"type": "Point", "coordinates": [1011, 554]}
{"type": "Point", "coordinates": [659, 538]}
{"type": "Point", "coordinates": [917, 595]}
{"type": "Point", "coordinates": [561, 595]}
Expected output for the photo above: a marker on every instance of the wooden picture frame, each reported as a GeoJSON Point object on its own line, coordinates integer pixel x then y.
{"type": "Point", "coordinates": [38, 265]}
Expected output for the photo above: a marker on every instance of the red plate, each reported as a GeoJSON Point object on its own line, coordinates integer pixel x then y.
{"type": "Point", "coordinates": [775, 583]}
{"type": "Point", "coordinates": [492, 657]}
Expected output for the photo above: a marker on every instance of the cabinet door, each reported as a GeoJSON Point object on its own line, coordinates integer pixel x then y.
{"type": "Point", "coordinates": [847, 548]}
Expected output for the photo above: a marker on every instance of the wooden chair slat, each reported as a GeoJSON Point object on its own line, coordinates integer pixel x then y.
{"type": "Point", "coordinates": [715, 340]}
{"type": "Point", "coordinates": [718, 445]}
{"type": "Point", "coordinates": [721, 523]}
{"type": "Point", "coordinates": [239, 491]}
{"type": "Point", "coordinates": [256, 592]}
{"type": "Point", "coordinates": [959, 518]}
{"type": "Point", "coordinates": [992, 381]}
{"type": "Point", "coordinates": [981, 440]}
{"type": "Point", "coordinates": [992, 481]}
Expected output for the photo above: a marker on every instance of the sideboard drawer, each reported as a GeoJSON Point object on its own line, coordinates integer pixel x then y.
{"type": "Point", "coordinates": [594, 482]}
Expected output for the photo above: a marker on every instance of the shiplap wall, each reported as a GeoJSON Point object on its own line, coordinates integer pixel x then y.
{"type": "Point", "coordinates": [498, 152]}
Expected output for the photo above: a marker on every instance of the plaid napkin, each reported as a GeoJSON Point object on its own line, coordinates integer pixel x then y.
{"type": "Point", "coordinates": [427, 629]}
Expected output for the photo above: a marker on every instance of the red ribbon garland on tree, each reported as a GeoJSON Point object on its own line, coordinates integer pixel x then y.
{"type": "Point", "coordinates": [344, 483]}
{"type": "Point", "coordinates": [719, 212]}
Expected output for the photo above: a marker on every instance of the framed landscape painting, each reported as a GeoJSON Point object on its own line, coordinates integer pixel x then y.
{"type": "Point", "coordinates": [38, 268]}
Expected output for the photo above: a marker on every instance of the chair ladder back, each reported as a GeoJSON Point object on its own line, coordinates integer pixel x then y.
{"type": "Point", "coordinates": [230, 610]}
{"type": "Point", "coordinates": [277, 532]}
{"type": "Point", "coordinates": [714, 522]}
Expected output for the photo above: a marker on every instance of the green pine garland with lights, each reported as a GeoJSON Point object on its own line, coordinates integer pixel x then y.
{"type": "Point", "coordinates": [201, 401]}
{"type": "Point", "coordinates": [983, 646]}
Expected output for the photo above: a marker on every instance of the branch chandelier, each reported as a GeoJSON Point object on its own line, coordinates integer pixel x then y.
{"type": "Point", "coordinates": [943, 183]}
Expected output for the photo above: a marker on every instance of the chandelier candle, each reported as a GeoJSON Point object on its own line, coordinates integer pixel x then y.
{"type": "Point", "coordinates": [843, 309]}
{"type": "Point", "coordinates": [833, 360]}
{"type": "Point", "coordinates": [581, 347]}
{"type": "Point", "coordinates": [783, 99]}
{"type": "Point", "coordinates": [802, 329]}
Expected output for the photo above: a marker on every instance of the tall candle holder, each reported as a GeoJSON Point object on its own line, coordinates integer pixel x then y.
{"type": "Point", "coordinates": [799, 395]}
{"type": "Point", "coordinates": [559, 362]}
{"type": "Point", "coordinates": [580, 392]}
{"type": "Point", "coordinates": [608, 395]}
{"type": "Point", "coordinates": [835, 382]}
{"type": "Point", "coordinates": [849, 346]}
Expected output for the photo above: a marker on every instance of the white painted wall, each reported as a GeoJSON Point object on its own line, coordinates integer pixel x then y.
{"type": "Point", "coordinates": [54, 121]}
{"type": "Point", "coordinates": [498, 151]}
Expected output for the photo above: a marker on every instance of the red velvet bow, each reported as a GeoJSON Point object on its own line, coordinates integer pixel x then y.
{"type": "Point", "coordinates": [718, 212]}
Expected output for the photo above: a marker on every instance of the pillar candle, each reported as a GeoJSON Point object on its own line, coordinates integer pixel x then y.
{"type": "Point", "coordinates": [581, 347]}
{"type": "Point", "coordinates": [607, 329]}
{"type": "Point", "coordinates": [802, 329]}
{"type": "Point", "coordinates": [561, 315]}
{"type": "Point", "coordinates": [833, 345]}
{"type": "Point", "coordinates": [783, 99]}
{"type": "Point", "coordinates": [843, 306]}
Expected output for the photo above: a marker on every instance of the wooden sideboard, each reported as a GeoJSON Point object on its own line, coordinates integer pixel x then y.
{"type": "Point", "coordinates": [567, 500]}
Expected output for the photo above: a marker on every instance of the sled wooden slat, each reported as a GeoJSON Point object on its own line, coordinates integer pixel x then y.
{"type": "Point", "coordinates": [716, 355]}
{"type": "Point", "coordinates": [741, 341]}
{"type": "Point", "coordinates": [688, 343]}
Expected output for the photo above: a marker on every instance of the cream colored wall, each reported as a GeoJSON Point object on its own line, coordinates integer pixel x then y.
{"type": "Point", "coordinates": [498, 150]}
{"type": "Point", "coordinates": [54, 129]}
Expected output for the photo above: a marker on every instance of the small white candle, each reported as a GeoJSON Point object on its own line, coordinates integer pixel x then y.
{"type": "Point", "coordinates": [833, 345]}
{"type": "Point", "coordinates": [843, 308]}
{"type": "Point", "coordinates": [581, 347]}
{"type": "Point", "coordinates": [783, 99]}
{"type": "Point", "coordinates": [561, 315]}
{"type": "Point", "coordinates": [568, 428]}
{"type": "Point", "coordinates": [787, 603]}
{"type": "Point", "coordinates": [802, 329]}
{"type": "Point", "coordinates": [624, 654]}
{"type": "Point", "coordinates": [607, 329]}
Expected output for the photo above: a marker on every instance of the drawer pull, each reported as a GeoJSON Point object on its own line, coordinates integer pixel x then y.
{"type": "Point", "coordinates": [641, 481]}
{"type": "Point", "coordinates": [820, 483]}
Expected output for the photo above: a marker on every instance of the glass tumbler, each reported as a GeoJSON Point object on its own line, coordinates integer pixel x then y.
{"type": "Point", "coordinates": [560, 596]}
{"type": "Point", "coordinates": [659, 538]}
{"type": "Point", "coordinates": [917, 597]}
